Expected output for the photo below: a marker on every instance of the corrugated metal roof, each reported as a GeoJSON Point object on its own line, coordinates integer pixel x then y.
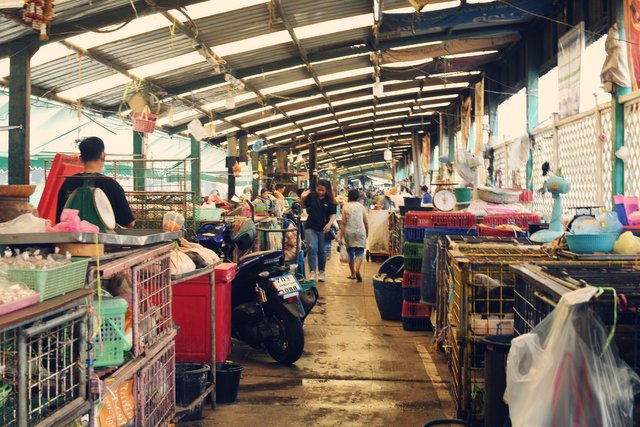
{"type": "Point", "coordinates": [307, 12]}
{"type": "Point", "coordinates": [226, 32]}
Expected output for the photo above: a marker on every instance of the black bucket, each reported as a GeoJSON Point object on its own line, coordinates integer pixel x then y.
{"type": "Point", "coordinates": [388, 294]}
{"type": "Point", "coordinates": [227, 381]}
{"type": "Point", "coordinates": [496, 412]}
{"type": "Point", "coordinates": [392, 267]}
{"type": "Point", "coordinates": [191, 382]}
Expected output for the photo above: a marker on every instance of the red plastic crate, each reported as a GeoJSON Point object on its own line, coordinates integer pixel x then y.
{"type": "Point", "coordinates": [411, 280]}
{"type": "Point", "coordinates": [421, 219]}
{"type": "Point", "coordinates": [492, 232]}
{"type": "Point", "coordinates": [415, 309]}
{"type": "Point", "coordinates": [521, 220]}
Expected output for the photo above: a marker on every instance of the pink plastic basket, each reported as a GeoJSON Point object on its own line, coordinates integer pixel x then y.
{"type": "Point", "coordinates": [17, 305]}
{"type": "Point", "coordinates": [144, 122]}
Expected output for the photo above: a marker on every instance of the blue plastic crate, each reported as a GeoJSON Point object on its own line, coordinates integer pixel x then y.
{"type": "Point", "coordinates": [413, 234]}
{"type": "Point", "coordinates": [411, 294]}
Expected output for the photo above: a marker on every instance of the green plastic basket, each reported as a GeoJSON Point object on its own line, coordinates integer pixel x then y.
{"type": "Point", "coordinates": [413, 265]}
{"type": "Point", "coordinates": [111, 351]}
{"type": "Point", "coordinates": [413, 250]}
{"type": "Point", "coordinates": [290, 200]}
{"type": "Point", "coordinates": [54, 281]}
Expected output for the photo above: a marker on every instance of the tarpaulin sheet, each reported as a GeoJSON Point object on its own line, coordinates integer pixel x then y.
{"type": "Point", "coordinates": [469, 16]}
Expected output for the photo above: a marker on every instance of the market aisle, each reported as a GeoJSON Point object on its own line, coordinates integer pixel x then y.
{"type": "Point", "coordinates": [357, 370]}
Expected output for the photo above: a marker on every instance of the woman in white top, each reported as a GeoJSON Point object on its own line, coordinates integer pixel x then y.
{"type": "Point", "coordinates": [354, 232]}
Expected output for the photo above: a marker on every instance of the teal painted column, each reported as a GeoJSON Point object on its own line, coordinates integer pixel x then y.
{"type": "Point", "coordinates": [19, 113]}
{"type": "Point", "coordinates": [451, 132]}
{"type": "Point", "coordinates": [533, 60]}
{"type": "Point", "coordinates": [493, 123]}
{"type": "Point", "coordinates": [617, 115]}
{"type": "Point", "coordinates": [196, 158]}
{"type": "Point", "coordinates": [138, 167]}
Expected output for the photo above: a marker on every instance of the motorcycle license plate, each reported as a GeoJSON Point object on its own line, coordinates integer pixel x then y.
{"type": "Point", "coordinates": [286, 285]}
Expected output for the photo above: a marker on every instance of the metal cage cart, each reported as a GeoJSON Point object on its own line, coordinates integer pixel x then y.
{"type": "Point", "coordinates": [42, 353]}
{"type": "Point", "coordinates": [149, 207]}
{"type": "Point", "coordinates": [396, 227]}
{"type": "Point", "coordinates": [152, 369]}
{"type": "Point", "coordinates": [540, 287]}
{"type": "Point", "coordinates": [482, 298]}
{"type": "Point", "coordinates": [379, 235]}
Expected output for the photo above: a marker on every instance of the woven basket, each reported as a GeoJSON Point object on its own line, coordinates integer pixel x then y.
{"type": "Point", "coordinates": [144, 121]}
{"type": "Point", "coordinates": [498, 195]}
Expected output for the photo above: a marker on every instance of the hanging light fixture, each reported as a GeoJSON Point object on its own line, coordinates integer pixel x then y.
{"type": "Point", "coordinates": [378, 88]}
{"type": "Point", "coordinates": [229, 101]}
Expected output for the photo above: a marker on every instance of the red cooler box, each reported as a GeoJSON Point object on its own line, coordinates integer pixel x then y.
{"type": "Point", "coordinates": [192, 313]}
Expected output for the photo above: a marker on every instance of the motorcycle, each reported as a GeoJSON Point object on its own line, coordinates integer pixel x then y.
{"type": "Point", "coordinates": [268, 304]}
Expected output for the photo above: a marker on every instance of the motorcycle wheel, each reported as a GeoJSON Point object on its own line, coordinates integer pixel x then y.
{"type": "Point", "coordinates": [289, 347]}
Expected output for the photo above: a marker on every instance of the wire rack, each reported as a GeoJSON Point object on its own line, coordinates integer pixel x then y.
{"type": "Point", "coordinates": [151, 303]}
{"type": "Point", "coordinates": [9, 377]}
{"type": "Point", "coordinates": [51, 364]}
{"type": "Point", "coordinates": [481, 303]}
{"type": "Point", "coordinates": [155, 389]}
{"type": "Point", "coordinates": [149, 207]}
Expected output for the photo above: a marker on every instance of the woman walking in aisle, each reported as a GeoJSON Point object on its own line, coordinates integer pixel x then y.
{"type": "Point", "coordinates": [321, 207]}
{"type": "Point", "coordinates": [354, 232]}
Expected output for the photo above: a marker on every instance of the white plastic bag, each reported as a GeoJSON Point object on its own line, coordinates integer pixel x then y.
{"type": "Point", "coordinates": [563, 373]}
{"type": "Point", "coordinates": [344, 256]}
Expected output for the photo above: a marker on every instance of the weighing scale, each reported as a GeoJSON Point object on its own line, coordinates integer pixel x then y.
{"type": "Point", "coordinates": [93, 205]}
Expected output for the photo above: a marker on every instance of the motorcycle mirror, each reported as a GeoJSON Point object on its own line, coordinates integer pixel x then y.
{"type": "Point", "coordinates": [264, 274]}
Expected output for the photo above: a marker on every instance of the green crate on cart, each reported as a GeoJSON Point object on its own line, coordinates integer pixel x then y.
{"type": "Point", "coordinates": [413, 250]}
{"type": "Point", "coordinates": [110, 345]}
{"type": "Point", "coordinates": [55, 281]}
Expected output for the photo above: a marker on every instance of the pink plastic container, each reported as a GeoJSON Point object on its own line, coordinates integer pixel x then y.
{"type": "Point", "coordinates": [17, 305]}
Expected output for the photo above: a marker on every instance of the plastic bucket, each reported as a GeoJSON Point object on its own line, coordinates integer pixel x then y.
{"type": "Point", "coordinates": [227, 381]}
{"type": "Point", "coordinates": [496, 412]}
{"type": "Point", "coordinates": [393, 267]}
{"type": "Point", "coordinates": [191, 382]}
{"type": "Point", "coordinates": [388, 294]}
{"type": "Point", "coordinates": [463, 194]}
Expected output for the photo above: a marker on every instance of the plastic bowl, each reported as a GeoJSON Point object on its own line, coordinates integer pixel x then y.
{"type": "Point", "coordinates": [591, 243]}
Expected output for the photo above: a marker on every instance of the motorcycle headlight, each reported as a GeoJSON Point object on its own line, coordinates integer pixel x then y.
{"type": "Point", "coordinates": [264, 274]}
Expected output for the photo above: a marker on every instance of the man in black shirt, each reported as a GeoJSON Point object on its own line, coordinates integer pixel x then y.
{"type": "Point", "coordinates": [92, 155]}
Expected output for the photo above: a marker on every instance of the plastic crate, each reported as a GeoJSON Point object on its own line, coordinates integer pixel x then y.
{"type": "Point", "coordinates": [521, 220]}
{"type": "Point", "coordinates": [413, 234]}
{"type": "Point", "coordinates": [110, 345]}
{"type": "Point", "coordinates": [54, 281]}
{"type": "Point", "coordinates": [421, 219]}
{"type": "Point", "coordinates": [416, 316]}
{"type": "Point", "coordinates": [413, 250]}
{"type": "Point", "coordinates": [413, 265]}
{"type": "Point", "coordinates": [411, 280]}
{"type": "Point", "coordinates": [411, 294]}
{"type": "Point", "coordinates": [493, 232]}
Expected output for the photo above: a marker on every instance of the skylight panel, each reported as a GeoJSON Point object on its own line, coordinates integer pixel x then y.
{"type": "Point", "coordinates": [95, 86]}
{"type": "Point", "coordinates": [167, 65]}
{"type": "Point", "coordinates": [136, 27]}
{"type": "Point", "coordinates": [249, 113]}
{"type": "Point", "coordinates": [349, 89]}
{"type": "Point", "coordinates": [318, 125]}
{"type": "Point", "coordinates": [452, 74]}
{"type": "Point", "coordinates": [334, 26]}
{"type": "Point", "coordinates": [339, 58]}
{"type": "Point", "coordinates": [428, 8]}
{"type": "Point", "coordinates": [314, 118]}
{"type": "Point", "coordinates": [4, 67]}
{"type": "Point", "coordinates": [287, 86]}
{"type": "Point", "coordinates": [352, 100]}
{"type": "Point", "coordinates": [252, 43]}
{"type": "Point", "coordinates": [178, 117]}
{"type": "Point", "coordinates": [306, 109]}
{"type": "Point", "coordinates": [345, 74]}
{"type": "Point", "coordinates": [411, 46]}
{"type": "Point", "coordinates": [50, 52]}
{"type": "Point", "coordinates": [470, 54]}
{"type": "Point", "coordinates": [215, 7]}
{"type": "Point", "coordinates": [219, 104]}
{"type": "Point", "coordinates": [267, 119]}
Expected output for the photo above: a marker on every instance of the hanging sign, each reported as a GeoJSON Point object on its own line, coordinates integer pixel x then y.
{"type": "Point", "coordinates": [570, 49]}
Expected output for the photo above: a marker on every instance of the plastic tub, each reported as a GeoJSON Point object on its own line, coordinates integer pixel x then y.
{"type": "Point", "coordinates": [591, 243]}
{"type": "Point", "coordinates": [388, 295]}
{"type": "Point", "coordinates": [463, 194]}
{"type": "Point", "coordinates": [191, 382]}
{"type": "Point", "coordinates": [227, 381]}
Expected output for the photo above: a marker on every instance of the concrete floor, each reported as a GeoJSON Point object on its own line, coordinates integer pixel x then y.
{"type": "Point", "coordinates": [357, 370]}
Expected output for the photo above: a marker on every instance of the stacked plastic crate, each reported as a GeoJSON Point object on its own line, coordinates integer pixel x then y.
{"type": "Point", "coordinates": [418, 225]}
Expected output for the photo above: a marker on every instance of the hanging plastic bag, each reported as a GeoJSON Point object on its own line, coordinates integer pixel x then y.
{"type": "Point", "coordinates": [566, 373]}
{"type": "Point", "coordinates": [344, 256]}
